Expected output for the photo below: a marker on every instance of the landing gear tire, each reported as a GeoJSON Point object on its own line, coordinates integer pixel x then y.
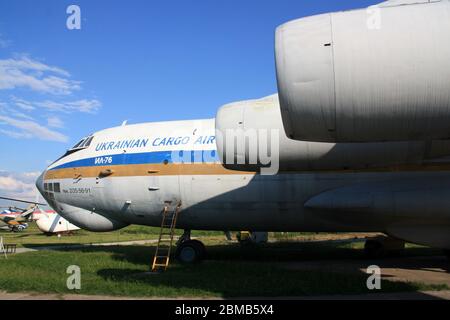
{"type": "Point", "coordinates": [383, 247]}
{"type": "Point", "coordinates": [373, 249]}
{"type": "Point", "coordinates": [190, 251]}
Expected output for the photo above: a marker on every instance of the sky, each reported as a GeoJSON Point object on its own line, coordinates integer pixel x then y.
{"type": "Point", "coordinates": [139, 61]}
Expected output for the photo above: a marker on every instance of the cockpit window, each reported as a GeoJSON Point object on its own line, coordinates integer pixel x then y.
{"type": "Point", "coordinates": [87, 143]}
{"type": "Point", "coordinates": [78, 144]}
{"type": "Point", "coordinates": [83, 143]}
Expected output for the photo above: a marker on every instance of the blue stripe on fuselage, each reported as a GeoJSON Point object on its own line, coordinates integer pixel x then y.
{"type": "Point", "coordinates": [200, 156]}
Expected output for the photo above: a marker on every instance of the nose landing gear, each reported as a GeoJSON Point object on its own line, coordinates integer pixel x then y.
{"type": "Point", "coordinates": [381, 247]}
{"type": "Point", "coordinates": [188, 250]}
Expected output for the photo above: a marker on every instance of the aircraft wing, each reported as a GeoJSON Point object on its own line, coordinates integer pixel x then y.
{"type": "Point", "coordinates": [405, 198]}
{"type": "Point", "coordinates": [415, 210]}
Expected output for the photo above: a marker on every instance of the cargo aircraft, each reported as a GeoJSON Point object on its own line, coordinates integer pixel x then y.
{"type": "Point", "coordinates": [357, 140]}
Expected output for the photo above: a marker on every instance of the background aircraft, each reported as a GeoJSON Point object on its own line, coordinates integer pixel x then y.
{"type": "Point", "coordinates": [48, 221]}
{"type": "Point", "coordinates": [16, 219]}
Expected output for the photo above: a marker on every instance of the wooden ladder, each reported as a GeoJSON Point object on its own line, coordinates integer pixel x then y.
{"type": "Point", "coordinates": [165, 241]}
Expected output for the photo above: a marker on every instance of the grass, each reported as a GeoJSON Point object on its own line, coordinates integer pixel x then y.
{"type": "Point", "coordinates": [33, 237]}
{"type": "Point", "coordinates": [230, 271]}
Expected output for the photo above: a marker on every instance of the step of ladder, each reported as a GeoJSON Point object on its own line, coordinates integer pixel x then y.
{"type": "Point", "coordinates": [161, 258]}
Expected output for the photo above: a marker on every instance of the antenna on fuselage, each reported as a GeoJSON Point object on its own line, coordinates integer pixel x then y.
{"type": "Point", "coordinates": [124, 123]}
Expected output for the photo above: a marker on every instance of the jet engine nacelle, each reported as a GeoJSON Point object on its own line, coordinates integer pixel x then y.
{"type": "Point", "coordinates": [377, 74]}
{"type": "Point", "coordinates": [250, 134]}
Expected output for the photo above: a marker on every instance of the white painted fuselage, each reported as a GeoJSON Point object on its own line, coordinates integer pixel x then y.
{"type": "Point", "coordinates": [126, 175]}
{"type": "Point", "coordinates": [50, 222]}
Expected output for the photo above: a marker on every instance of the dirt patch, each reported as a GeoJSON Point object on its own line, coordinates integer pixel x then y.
{"type": "Point", "coordinates": [40, 296]}
{"type": "Point", "coordinates": [326, 237]}
{"type": "Point", "coordinates": [433, 270]}
{"type": "Point", "coordinates": [424, 295]}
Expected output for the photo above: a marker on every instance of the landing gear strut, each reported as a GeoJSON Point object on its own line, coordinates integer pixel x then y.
{"type": "Point", "coordinates": [447, 253]}
{"type": "Point", "coordinates": [381, 247]}
{"type": "Point", "coordinates": [189, 251]}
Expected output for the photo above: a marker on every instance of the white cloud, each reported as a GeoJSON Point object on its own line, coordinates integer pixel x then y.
{"type": "Point", "coordinates": [22, 104]}
{"type": "Point", "coordinates": [25, 63]}
{"type": "Point", "coordinates": [15, 134]}
{"type": "Point", "coordinates": [55, 122]}
{"type": "Point", "coordinates": [31, 129]}
{"type": "Point", "coordinates": [18, 185]}
{"type": "Point", "coordinates": [19, 117]}
{"type": "Point", "coordinates": [10, 184]}
{"type": "Point", "coordinates": [85, 106]}
{"type": "Point", "coordinates": [35, 75]}
{"type": "Point", "coordinates": [7, 110]}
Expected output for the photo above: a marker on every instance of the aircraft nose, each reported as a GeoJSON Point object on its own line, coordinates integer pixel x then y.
{"type": "Point", "coordinates": [40, 183]}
